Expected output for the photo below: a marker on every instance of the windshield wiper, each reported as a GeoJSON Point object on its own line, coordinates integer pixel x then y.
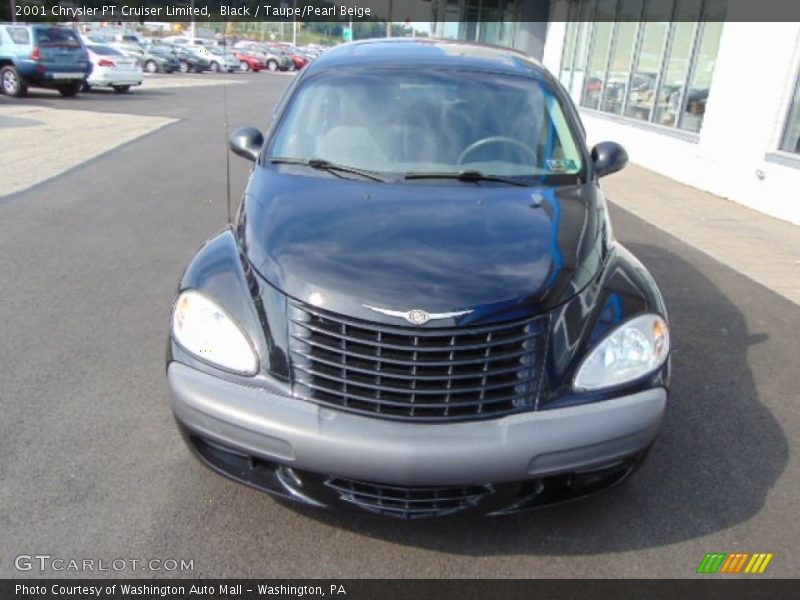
{"type": "Point", "coordinates": [324, 165]}
{"type": "Point", "coordinates": [465, 176]}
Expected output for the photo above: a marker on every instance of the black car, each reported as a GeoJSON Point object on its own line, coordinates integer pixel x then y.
{"type": "Point", "coordinates": [420, 309]}
{"type": "Point", "coordinates": [189, 60]}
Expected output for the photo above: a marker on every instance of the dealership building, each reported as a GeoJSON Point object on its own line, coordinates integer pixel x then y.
{"type": "Point", "coordinates": [691, 90]}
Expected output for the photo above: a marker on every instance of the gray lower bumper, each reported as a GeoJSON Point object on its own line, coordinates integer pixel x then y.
{"type": "Point", "coordinates": [513, 448]}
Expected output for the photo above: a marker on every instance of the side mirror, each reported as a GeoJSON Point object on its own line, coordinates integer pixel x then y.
{"type": "Point", "coordinates": [608, 158]}
{"type": "Point", "coordinates": [246, 142]}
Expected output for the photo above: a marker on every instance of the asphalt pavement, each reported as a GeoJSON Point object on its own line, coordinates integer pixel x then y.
{"type": "Point", "coordinates": [93, 468]}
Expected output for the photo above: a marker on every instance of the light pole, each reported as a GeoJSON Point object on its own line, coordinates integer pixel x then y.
{"type": "Point", "coordinates": [389, 19]}
{"type": "Point", "coordinates": [294, 24]}
{"type": "Point", "coordinates": [192, 30]}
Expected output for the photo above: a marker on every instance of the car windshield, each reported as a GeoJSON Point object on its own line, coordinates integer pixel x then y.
{"type": "Point", "coordinates": [416, 124]}
{"type": "Point", "coordinates": [104, 50]}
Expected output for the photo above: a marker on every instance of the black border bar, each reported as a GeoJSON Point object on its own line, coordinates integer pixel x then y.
{"type": "Point", "coordinates": [378, 11]}
{"type": "Point", "coordinates": [702, 588]}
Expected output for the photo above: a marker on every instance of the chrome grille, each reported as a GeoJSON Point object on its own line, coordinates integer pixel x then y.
{"type": "Point", "coordinates": [415, 373]}
{"type": "Point", "coordinates": [407, 502]}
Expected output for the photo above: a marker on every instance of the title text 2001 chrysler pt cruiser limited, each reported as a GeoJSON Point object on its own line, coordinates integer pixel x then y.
{"type": "Point", "coordinates": [420, 309]}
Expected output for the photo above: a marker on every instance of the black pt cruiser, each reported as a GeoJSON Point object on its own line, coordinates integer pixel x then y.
{"type": "Point", "coordinates": [420, 309]}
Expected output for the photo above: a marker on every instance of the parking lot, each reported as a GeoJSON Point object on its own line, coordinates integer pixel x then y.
{"type": "Point", "coordinates": [93, 467]}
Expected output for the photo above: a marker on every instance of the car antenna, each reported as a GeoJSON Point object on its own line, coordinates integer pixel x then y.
{"type": "Point", "coordinates": [225, 125]}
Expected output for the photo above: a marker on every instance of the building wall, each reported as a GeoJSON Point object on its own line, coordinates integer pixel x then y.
{"type": "Point", "coordinates": [735, 153]}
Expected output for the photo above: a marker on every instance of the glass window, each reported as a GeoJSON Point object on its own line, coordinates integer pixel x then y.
{"type": "Point", "coordinates": [791, 136]}
{"type": "Point", "coordinates": [430, 122]}
{"type": "Point", "coordinates": [18, 35]}
{"type": "Point", "coordinates": [676, 70]}
{"type": "Point", "coordinates": [641, 93]}
{"type": "Point", "coordinates": [694, 104]}
{"type": "Point", "coordinates": [569, 51]}
{"type": "Point", "coordinates": [619, 66]}
{"type": "Point", "coordinates": [103, 50]}
{"type": "Point", "coordinates": [581, 50]}
{"type": "Point", "coordinates": [596, 71]}
{"type": "Point", "coordinates": [655, 63]}
{"type": "Point", "coordinates": [56, 36]}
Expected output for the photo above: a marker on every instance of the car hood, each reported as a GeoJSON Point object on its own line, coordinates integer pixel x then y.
{"type": "Point", "coordinates": [498, 251]}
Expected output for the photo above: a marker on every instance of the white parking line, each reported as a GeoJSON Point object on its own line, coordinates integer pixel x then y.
{"type": "Point", "coordinates": [45, 142]}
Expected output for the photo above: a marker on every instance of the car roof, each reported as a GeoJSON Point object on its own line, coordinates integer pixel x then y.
{"type": "Point", "coordinates": [425, 53]}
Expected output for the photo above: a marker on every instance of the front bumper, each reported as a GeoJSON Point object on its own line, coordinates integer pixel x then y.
{"type": "Point", "coordinates": [298, 434]}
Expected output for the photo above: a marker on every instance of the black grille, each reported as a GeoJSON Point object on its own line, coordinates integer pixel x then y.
{"type": "Point", "coordinates": [416, 373]}
{"type": "Point", "coordinates": [408, 502]}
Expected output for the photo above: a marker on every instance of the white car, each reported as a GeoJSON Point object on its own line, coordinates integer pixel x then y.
{"type": "Point", "coordinates": [111, 68]}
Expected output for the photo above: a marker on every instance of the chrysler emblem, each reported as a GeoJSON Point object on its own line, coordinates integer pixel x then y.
{"type": "Point", "coordinates": [417, 316]}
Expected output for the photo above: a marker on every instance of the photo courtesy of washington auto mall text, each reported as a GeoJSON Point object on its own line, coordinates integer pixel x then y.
{"type": "Point", "coordinates": [220, 591]}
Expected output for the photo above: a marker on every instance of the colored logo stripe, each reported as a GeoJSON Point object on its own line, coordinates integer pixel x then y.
{"type": "Point", "coordinates": [721, 562]}
{"type": "Point", "coordinates": [711, 562]}
{"type": "Point", "coordinates": [734, 563]}
{"type": "Point", "coordinates": [758, 563]}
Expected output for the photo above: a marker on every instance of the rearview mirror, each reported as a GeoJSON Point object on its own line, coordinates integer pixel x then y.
{"type": "Point", "coordinates": [246, 142]}
{"type": "Point", "coordinates": [608, 157]}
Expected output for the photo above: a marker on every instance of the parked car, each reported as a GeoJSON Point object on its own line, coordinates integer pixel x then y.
{"type": "Point", "coordinates": [112, 69]}
{"type": "Point", "coordinates": [190, 60]}
{"type": "Point", "coordinates": [310, 52]}
{"type": "Point", "coordinates": [287, 62]}
{"type": "Point", "coordinates": [130, 38]}
{"type": "Point", "coordinates": [299, 60]}
{"type": "Point", "coordinates": [421, 310]}
{"type": "Point", "coordinates": [274, 60]}
{"type": "Point", "coordinates": [158, 58]}
{"type": "Point", "coordinates": [220, 59]}
{"type": "Point", "coordinates": [41, 55]}
{"type": "Point", "coordinates": [250, 62]}
{"type": "Point", "coordinates": [149, 61]}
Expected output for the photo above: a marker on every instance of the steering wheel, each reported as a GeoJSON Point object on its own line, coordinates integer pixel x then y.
{"type": "Point", "coordinates": [496, 139]}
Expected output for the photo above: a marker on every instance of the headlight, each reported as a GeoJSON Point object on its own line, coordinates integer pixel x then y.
{"type": "Point", "coordinates": [206, 330]}
{"type": "Point", "coordinates": [635, 348]}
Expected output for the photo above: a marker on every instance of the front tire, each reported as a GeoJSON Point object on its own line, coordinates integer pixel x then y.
{"type": "Point", "coordinates": [121, 89]}
{"type": "Point", "coordinates": [185, 68]}
{"type": "Point", "coordinates": [272, 65]}
{"type": "Point", "coordinates": [12, 83]}
{"type": "Point", "coordinates": [245, 67]}
{"type": "Point", "coordinates": [151, 67]}
{"type": "Point", "coordinates": [215, 67]}
{"type": "Point", "coordinates": [69, 90]}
